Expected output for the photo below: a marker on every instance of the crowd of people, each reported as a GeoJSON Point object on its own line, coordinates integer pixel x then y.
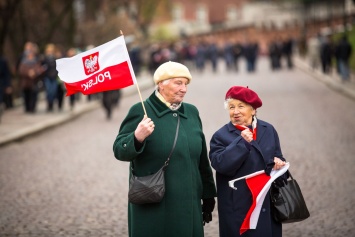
{"type": "Point", "coordinates": [201, 53]}
{"type": "Point", "coordinates": [198, 54]}
{"type": "Point", "coordinates": [323, 51]}
{"type": "Point", "coordinates": [280, 49]}
{"type": "Point", "coordinates": [37, 72]}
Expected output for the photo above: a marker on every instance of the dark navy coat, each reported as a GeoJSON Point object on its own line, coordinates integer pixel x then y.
{"type": "Point", "coordinates": [232, 158]}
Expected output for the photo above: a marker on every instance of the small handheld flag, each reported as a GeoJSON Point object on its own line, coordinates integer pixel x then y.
{"type": "Point", "coordinates": [106, 67]}
{"type": "Point", "coordinates": [259, 184]}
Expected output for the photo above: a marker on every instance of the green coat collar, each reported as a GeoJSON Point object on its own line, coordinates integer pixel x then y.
{"type": "Point", "coordinates": [160, 108]}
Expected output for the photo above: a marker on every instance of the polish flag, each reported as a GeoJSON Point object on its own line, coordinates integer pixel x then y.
{"type": "Point", "coordinates": [259, 184]}
{"type": "Point", "coordinates": [106, 67]}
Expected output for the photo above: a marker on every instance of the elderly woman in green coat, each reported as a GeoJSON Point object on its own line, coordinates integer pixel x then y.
{"type": "Point", "coordinates": [146, 142]}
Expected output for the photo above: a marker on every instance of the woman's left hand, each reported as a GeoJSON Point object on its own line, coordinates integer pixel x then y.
{"type": "Point", "coordinates": [278, 163]}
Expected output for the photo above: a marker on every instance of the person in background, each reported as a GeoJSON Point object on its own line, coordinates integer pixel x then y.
{"type": "Point", "coordinates": [237, 53]}
{"type": "Point", "coordinates": [135, 56]}
{"type": "Point", "coordinates": [30, 72]}
{"type": "Point", "coordinates": [251, 52]}
{"type": "Point", "coordinates": [287, 51]}
{"type": "Point", "coordinates": [146, 141]}
{"type": "Point", "coordinates": [71, 53]}
{"type": "Point", "coordinates": [313, 52]}
{"type": "Point", "coordinates": [241, 147]}
{"type": "Point", "coordinates": [213, 54]}
{"type": "Point", "coordinates": [110, 99]}
{"type": "Point", "coordinates": [343, 53]}
{"type": "Point", "coordinates": [228, 55]}
{"type": "Point", "coordinates": [5, 83]}
{"type": "Point", "coordinates": [275, 53]}
{"type": "Point", "coordinates": [60, 83]}
{"type": "Point", "coordinates": [50, 75]}
{"type": "Point", "coordinates": [326, 53]}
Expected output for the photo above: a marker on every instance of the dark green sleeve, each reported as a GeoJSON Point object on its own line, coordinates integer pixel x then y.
{"type": "Point", "coordinates": [123, 146]}
{"type": "Point", "coordinates": [208, 183]}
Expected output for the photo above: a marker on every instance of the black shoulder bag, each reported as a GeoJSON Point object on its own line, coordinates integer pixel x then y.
{"type": "Point", "coordinates": [151, 188]}
{"type": "Point", "coordinates": [287, 202]}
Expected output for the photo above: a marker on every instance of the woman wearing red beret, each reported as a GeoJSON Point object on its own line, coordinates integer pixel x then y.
{"type": "Point", "coordinates": [243, 146]}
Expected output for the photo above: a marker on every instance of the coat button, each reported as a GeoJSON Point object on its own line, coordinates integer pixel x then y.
{"type": "Point", "coordinates": [174, 114]}
{"type": "Point", "coordinates": [124, 145]}
{"type": "Point", "coordinates": [263, 210]}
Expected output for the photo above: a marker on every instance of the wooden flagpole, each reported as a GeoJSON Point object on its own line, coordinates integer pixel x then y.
{"type": "Point", "coordinates": [136, 82]}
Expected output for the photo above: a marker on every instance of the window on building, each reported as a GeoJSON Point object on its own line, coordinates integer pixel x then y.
{"type": "Point", "coordinates": [177, 13]}
{"type": "Point", "coordinates": [201, 13]}
{"type": "Point", "coordinates": [232, 14]}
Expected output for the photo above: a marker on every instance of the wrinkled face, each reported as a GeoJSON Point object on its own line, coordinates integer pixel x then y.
{"type": "Point", "coordinates": [173, 90]}
{"type": "Point", "coordinates": [240, 112]}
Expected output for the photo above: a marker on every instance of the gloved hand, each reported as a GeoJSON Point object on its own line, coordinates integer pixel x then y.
{"type": "Point", "coordinates": [207, 209]}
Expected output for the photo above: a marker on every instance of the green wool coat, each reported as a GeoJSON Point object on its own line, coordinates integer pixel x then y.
{"type": "Point", "coordinates": [188, 178]}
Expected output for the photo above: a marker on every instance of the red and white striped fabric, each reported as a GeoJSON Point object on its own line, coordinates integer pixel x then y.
{"type": "Point", "coordinates": [106, 67]}
{"type": "Point", "coordinates": [259, 184]}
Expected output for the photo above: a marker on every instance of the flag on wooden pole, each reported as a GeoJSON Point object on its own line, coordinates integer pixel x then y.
{"type": "Point", "coordinates": [106, 67]}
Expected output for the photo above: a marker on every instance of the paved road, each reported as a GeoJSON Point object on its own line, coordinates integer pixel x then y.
{"type": "Point", "coordinates": [66, 182]}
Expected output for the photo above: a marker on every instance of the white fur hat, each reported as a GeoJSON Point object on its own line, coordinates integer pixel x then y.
{"type": "Point", "coordinates": [171, 70]}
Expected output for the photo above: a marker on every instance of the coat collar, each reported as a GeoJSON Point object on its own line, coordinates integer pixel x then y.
{"type": "Point", "coordinates": [161, 109]}
{"type": "Point", "coordinates": [261, 128]}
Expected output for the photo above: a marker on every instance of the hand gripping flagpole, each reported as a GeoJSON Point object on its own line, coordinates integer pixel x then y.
{"type": "Point", "coordinates": [135, 81]}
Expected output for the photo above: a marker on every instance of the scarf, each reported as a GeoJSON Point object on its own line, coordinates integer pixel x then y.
{"type": "Point", "coordinates": [253, 128]}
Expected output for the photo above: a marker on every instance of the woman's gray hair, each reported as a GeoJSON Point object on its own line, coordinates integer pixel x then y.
{"type": "Point", "coordinates": [163, 82]}
{"type": "Point", "coordinates": [226, 102]}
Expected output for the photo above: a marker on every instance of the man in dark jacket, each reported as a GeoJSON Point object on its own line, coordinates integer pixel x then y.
{"type": "Point", "coordinates": [4, 82]}
{"type": "Point", "coordinates": [343, 53]}
{"type": "Point", "coordinates": [326, 53]}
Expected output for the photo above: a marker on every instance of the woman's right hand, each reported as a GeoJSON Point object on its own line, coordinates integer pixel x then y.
{"type": "Point", "coordinates": [247, 135]}
{"type": "Point", "coordinates": [144, 129]}
{"type": "Point", "coordinates": [278, 163]}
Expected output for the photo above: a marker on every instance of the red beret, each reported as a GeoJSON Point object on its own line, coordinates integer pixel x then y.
{"type": "Point", "coordinates": [244, 94]}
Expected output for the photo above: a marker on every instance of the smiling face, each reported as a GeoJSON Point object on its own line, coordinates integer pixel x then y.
{"type": "Point", "coordinates": [173, 90]}
{"type": "Point", "coordinates": [240, 112]}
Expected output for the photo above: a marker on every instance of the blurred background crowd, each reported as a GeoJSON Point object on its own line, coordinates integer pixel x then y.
{"type": "Point", "coordinates": [200, 34]}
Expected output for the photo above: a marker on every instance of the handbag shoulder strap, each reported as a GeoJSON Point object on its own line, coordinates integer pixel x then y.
{"type": "Point", "coordinates": [176, 136]}
{"type": "Point", "coordinates": [166, 163]}
{"type": "Point", "coordinates": [289, 174]}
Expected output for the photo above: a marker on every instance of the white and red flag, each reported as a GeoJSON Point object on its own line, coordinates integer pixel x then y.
{"type": "Point", "coordinates": [259, 184]}
{"type": "Point", "coordinates": [106, 67]}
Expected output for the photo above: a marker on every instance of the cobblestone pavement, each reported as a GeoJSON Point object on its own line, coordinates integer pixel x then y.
{"type": "Point", "coordinates": [66, 182]}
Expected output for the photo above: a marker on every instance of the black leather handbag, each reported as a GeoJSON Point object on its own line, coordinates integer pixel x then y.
{"type": "Point", "coordinates": [288, 204]}
{"type": "Point", "coordinates": [151, 188]}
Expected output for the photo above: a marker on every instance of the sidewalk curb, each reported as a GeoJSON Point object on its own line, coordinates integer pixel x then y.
{"type": "Point", "coordinates": [35, 128]}
{"type": "Point", "coordinates": [326, 79]}
{"type": "Point", "coordinates": [144, 83]}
